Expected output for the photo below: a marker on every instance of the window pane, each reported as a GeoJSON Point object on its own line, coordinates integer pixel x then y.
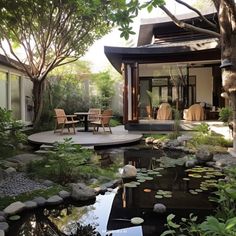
{"type": "Point", "coordinates": [15, 97]}
{"type": "Point", "coordinates": [3, 89]}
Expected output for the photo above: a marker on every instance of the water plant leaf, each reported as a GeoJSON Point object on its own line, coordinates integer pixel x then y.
{"type": "Point", "coordinates": [14, 218]}
{"type": "Point", "coordinates": [171, 223]}
{"type": "Point", "coordinates": [137, 220]}
{"type": "Point", "coordinates": [168, 232]}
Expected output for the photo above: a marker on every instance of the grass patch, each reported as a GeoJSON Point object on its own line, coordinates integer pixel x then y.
{"type": "Point", "coordinates": [5, 201]}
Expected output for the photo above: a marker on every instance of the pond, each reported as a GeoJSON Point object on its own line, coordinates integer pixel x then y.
{"type": "Point", "coordinates": [161, 178]}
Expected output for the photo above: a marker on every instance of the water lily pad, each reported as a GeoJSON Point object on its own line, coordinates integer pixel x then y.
{"type": "Point", "coordinates": [168, 196]}
{"type": "Point", "coordinates": [198, 190]}
{"type": "Point", "coordinates": [14, 218]}
{"type": "Point", "coordinates": [141, 180]}
{"type": "Point", "coordinates": [186, 179]}
{"type": "Point", "coordinates": [194, 175]}
{"type": "Point", "coordinates": [193, 192]}
{"type": "Point", "coordinates": [137, 220]}
{"type": "Point", "coordinates": [129, 185]}
{"type": "Point", "coordinates": [158, 196]}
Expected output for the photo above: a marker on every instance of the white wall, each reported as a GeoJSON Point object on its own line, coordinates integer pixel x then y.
{"type": "Point", "coordinates": [204, 84]}
{"type": "Point", "coordinates": [25, 90]}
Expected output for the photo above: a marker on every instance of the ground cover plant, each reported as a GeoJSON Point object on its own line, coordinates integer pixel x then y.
{"type": "Point", "coordinates": [71, 163]}
{"type": "Point", "coordinates": [204, 136]}
{"type": "Point", "coordinates": [10, 133]}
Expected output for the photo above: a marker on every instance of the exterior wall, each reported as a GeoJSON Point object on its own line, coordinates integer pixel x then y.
{"type": "Point", "coordinates": [204, 84]}
{"type": "Point", "coordinates": [24, 90]}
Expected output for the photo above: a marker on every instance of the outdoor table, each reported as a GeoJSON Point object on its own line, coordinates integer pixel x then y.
{"type": "Point", "coordinates": [85, 115]}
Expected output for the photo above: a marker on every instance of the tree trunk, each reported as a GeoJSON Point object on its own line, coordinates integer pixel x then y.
{"type": "Point", "coordinates": [38, 91]}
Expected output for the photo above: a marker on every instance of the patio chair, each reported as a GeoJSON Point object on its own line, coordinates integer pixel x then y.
{"type": "Point", "coordinates": [94, 114]}
{"type": "Point", "coordinates": [62, 120]}
{"type": "Point", "coordinates": [104, 121]}
{"type": "Point", "coordinates": [194, 113]}
{"type": "Point", "coordinates": [164, 112]}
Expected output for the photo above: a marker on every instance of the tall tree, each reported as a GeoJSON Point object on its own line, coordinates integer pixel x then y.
{"type": "Point", "coordinates": [224, 30]}
{"type": "Point", "coordinates": [48, 32]}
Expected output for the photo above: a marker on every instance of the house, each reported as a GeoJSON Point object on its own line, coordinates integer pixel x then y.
{"type": "Point", "coordinates": [175, 65]}
{"type": "Point", "coordinates": [15, 91]}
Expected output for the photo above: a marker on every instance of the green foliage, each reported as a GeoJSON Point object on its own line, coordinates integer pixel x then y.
{"type": "Point", "coordinates": [216, 227]}
{"type": "Point", "coordinates": [203, 129]}
{"type": "Point", "coordinates": [186, 227]}
{"type": "Point", "coordinates": [10, 130]}
{"type": "Point", "coordinates": [105, 89]}
{"type": "Point", "coordinates": [226, 114]}
{"type": "Point", "coordinates": [70, 163]}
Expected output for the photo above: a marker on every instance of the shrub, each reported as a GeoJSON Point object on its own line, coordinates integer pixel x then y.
{"type": "Point", "coordinates": [226, 114]}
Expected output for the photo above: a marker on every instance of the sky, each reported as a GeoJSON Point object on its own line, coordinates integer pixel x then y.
{"type": "Point", "coordinates": [95, 54]}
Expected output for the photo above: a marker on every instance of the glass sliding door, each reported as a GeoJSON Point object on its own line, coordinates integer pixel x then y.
{"type": "Point", "coordinates": [15, 97]}
{"type": "Point", "coordinates": [3, 89]}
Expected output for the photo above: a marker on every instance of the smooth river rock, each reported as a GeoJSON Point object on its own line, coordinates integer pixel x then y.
{"type": "Point", "coordinates": [4, 226]}
{"type": "Point", "coordinates": [54, 200]}
{"type": "Point", "coordinates": [14, 208]}
{"type": "Point", "coordinates": [129, 171]}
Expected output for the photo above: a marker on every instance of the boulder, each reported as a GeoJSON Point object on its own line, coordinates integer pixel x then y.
{"type": "Point", "coordinates": [129, 171]}
{"type": "Point", "coordinates": [14, 208]}
{"type": "Point", "coordinates": [159, 208]}
{"type": "Point", "coordinates": [80, 192]}
{"type": "Point", "coordinates": [203, 156]}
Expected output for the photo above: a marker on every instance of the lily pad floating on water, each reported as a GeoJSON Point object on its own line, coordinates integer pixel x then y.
{"type": "Point", "coordinates": [194, 175]}
{"type": "Point", "coordinates": [158, 196]}
{"type": "Point", "coordinates": [14, 218]}
{"type": "Point", "coordinates": [193, 192]}
{"type": "Point", "coordinates": [137, 220]}
{"type": "Point", "coordinates": [141, 180]}
{"type": "Point", "coordinates": [129, 185]}
{"type": "Point", "coordinates": [186, 179]}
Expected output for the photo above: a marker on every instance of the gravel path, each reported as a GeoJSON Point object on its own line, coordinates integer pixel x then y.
{"type": "Point", "coordinates": [18, 183]}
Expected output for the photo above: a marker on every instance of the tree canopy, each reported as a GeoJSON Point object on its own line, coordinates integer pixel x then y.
{"type": "Point", "coordinates": [48, 32]}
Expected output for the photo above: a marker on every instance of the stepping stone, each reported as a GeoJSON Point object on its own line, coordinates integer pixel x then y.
{"type": "Point", "coordinates": [2, 232]}
{"type": "Point", "coordinates": [14, 208]}
{"type": "Point", "coordinates": [4, 226]}
{"type": "Point", "coordinates": [30, 204]}
{"type": "Point", "coordinates": [64, 194]}
{"type": "Point", "coordinates": [54, 200]}
{"type": "Point", "coordinates": [40, 201]}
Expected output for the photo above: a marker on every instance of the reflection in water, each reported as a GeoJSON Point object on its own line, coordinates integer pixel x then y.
{"type": "Point", "coordinates": [125, 202]}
